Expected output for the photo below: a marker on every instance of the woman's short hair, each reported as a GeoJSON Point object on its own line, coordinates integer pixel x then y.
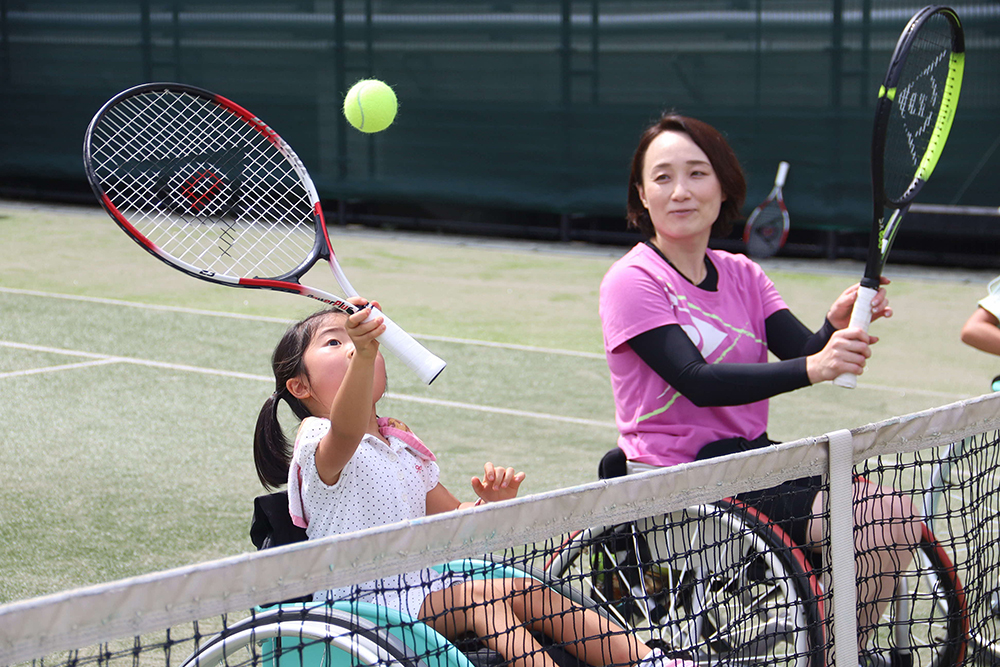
{"type": "Point", "coordinates": [720, 154]}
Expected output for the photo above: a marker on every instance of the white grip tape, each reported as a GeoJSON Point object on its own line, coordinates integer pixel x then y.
{"type": "Point", "coordinates": [419, 359]}
{"type": "Point", "coordinates": [861, 317]}
{"type": "Point", "coordinates": [782, 174]}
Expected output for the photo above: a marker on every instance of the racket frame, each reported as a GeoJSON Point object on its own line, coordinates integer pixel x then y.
{"type": "Point", "coordinates": [884, 230]}
{"type": "Point", "coordinates": [424, 363]}
{"type": "Point", "coordinates": [774, 195]}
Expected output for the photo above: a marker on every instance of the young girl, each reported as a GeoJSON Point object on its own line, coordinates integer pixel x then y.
{"type": "Point", "coordinates": [351, 469]}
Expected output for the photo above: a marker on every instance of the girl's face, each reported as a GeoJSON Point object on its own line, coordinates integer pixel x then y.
{"type": "Point", "coordinates": [679, 189]}
{"type": "Point", "coordinates": [326, 360]}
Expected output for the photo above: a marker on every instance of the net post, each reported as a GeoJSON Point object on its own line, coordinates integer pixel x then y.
{"type": "Point", "coordinates": [841, 549]}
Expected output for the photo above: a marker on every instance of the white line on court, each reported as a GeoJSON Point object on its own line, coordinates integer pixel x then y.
{"type": "Point", "coordinates": [107, 359]}
{"type": "Point", "coordinates": [53, 369]}
{"type": "Point", "coordinates": [278, 320]}
{"type": "Point", "coordinates": [446, 339]}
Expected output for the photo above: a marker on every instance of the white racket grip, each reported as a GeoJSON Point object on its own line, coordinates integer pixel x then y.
{"type": "Point", "coordinates": [782, 174]}
{"type": "Point", "coordinates": [861, 317]}
{"type": "Point", "coordinates": [420, 360]}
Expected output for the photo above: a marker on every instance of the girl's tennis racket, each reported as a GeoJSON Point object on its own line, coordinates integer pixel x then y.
{"type": "Point", "coordinates": [210, 189]}
{"type": "Point", "coordinates": [767, 227]}
{"type": "Point", "coordinates": [915, 109]}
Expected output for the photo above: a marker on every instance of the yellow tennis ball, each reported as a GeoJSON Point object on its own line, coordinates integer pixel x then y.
{"type": "Point", "coordinates": [370, 105]}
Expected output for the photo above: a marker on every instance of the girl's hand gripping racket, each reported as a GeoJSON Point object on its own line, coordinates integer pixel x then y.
{"type": "Point", "coordinates": [767, 227]}
{"type": "Point", "coordinates": [913, 115]}
{"type": "Point", "coordinates": [207, 187]}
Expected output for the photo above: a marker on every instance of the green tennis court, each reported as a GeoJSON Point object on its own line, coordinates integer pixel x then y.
{"type": "Point", "coordinates": [129, 392]}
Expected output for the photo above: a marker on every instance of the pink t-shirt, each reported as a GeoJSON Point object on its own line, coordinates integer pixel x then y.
{"type": "Point", "coordinates": [640, 292]}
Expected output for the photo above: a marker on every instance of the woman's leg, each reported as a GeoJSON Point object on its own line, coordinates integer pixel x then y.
{"type": "Point", "coordinates": [887, 528]}
{"type": "Point", "coordinates": [502, 610]}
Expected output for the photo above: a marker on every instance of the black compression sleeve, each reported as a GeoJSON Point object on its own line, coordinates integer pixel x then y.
{"type": "Point", "coordinates": [788, 338]}
{"type": "Point", "coordinates": [669, 352]}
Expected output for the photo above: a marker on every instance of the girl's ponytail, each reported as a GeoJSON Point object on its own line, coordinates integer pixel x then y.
{"type": "Point", "coordinates": [272, 453]}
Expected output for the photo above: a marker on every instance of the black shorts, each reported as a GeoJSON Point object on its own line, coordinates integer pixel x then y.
{"type": "Point", "coordinates": [789, 504]}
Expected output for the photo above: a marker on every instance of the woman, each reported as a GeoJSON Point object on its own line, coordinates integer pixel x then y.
{"type": "Point", "coordinates": [687, 331]}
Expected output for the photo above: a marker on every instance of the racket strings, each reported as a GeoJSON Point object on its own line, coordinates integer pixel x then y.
{"type": "Point", "coordinates": [768, 219]}
{"type": "Point", "coordinates": [211, 189]}
{"type": "Point", "coordinates": [765, 229]}
{"type": "Point", "coordinates": [920, 93]}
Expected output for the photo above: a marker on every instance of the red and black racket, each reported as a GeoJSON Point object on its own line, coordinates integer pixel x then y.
{"type": "Point", "coordinates": [767, 227]}
{"type": "Point", "coordinates": [210, 189]}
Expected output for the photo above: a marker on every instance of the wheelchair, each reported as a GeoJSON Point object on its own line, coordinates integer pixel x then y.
{"type": "Point", "coordinates": [346, 633]}
{"type": "Point", "coordinates": [725, 585]}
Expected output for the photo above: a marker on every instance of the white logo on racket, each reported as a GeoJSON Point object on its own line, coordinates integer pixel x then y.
{"type": "Point", "coordinates": [917, 103]}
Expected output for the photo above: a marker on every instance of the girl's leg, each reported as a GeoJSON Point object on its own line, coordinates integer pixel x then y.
{"type": "Point", "coordinates": [585, 633]}
{"type": "Point", "coordinates": [500, 610]}
{"type": "Point", "coordinates": [472, 607]}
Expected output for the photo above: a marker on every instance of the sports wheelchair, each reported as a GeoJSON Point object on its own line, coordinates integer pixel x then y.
{"type": "Point", "coordinates": [301, 632]}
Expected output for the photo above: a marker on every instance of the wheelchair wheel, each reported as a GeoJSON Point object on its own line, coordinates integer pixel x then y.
{"type": "Point", "coordinates": [307, 636]}
{"type": "Point", "coordinates": [985, 639]}
{"type": "Point", "coordinates": [712, 582]}
{"type": "Point", "coordinates": [927, 623]}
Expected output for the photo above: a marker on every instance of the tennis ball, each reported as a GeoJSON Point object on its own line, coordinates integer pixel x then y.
{"type": "Point", "coordinates": [370, 105]}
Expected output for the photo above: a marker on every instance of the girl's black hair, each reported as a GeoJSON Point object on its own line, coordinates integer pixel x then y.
{"type": "Point", "coordinates": [272, 453]}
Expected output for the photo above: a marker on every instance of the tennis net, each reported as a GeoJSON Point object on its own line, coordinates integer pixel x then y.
{"type": "Point", "coordinates": [601, 573]}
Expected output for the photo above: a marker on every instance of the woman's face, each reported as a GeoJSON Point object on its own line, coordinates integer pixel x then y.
{"type": "Point", "coordinates": [679, 189]}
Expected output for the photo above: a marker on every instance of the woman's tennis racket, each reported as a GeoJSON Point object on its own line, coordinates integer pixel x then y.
{"type": "Point", "coordinates": [767, 227]}
{"type": "Point", "coordinates": [207, 187]}
{"type": "Point", "coordinates": [915, 109]}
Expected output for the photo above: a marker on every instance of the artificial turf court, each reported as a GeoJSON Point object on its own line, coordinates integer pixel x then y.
{"type": "Point", "coordinates": [129, 391]}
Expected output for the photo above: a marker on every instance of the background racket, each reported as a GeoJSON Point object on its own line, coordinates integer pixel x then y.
{"type": "Point", "coordinates": [210, 189]}
{"type": "Point", "coordinates": [913, 116]}
{"type": "Point", "coordinates": [767, 227]}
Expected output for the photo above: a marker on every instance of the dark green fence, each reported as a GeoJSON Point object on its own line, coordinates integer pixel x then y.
{"type": "Point", "coordinates": [526, 106]}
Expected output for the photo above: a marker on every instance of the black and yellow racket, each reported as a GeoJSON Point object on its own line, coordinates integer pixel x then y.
{"type": "Point", "coordinates": [915, 109]}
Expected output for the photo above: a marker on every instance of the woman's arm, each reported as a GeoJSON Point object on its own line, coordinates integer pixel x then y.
{"type": "Point", "coordinates": [669, 352]}
{"type": "Point", "coordinates": [788, 338]}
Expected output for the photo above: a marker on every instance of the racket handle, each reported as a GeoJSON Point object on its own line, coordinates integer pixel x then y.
{"type": "Point", "coordinates": [782, 174]}
{"type": "Point", "coordinates": [861, 317]}
{"type": "Point", "coordinates": [418, 358]}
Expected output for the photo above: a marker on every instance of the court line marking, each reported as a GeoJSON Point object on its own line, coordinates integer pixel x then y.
{"type": "Point", "coordinates": [445, 339]}
{"type": "Point", "coordinates": [278, 320]}
{"type": "Point", "coordinates": [54, 369]}
{"type": "Point", "coordinates": [98, 359]}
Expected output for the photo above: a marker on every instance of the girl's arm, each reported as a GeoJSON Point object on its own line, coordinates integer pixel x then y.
{"type": "Point", "coordinates": [982, 331]}
{"type": "Point", "coordinates": [352, 411]}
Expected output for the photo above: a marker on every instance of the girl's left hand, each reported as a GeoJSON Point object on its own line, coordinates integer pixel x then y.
{"type": "Point", "coordinates": [497, 483]}
{"type": "Point", "coordinates": [840, 312]}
